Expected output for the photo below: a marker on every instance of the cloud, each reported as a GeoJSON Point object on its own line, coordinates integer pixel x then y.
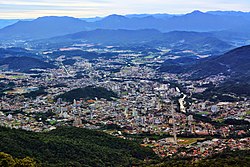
{"type": "Point", "coordinates": [91, 8]}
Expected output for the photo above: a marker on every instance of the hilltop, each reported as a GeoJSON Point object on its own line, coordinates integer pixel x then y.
{"type": "Point", "coordinates": [233, 64]}
{"type": "Point", "coordinates": [87, 93]}
{"type": "Point", "coordinates": [24, 64]}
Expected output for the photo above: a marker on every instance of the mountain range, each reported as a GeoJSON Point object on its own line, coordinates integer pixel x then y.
{"type": "Point", "coordinates": [43, 27]}
{"type": "Point", "coordinates": [197, 41]}
{"type": "Point", "coordinates": [233, 64]}
{"type": "Point", "coordinates": [46, 27]}
{"type": "Point", "coordinates": [7, 22]}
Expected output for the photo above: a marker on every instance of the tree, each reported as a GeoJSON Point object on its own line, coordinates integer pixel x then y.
{"type": "Point", "coordinates": [6, 160]}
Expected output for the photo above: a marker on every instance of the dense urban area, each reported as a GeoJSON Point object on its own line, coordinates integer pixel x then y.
{"type": "Point", "coordinates": [126, 90]}
{"type": "Point", "coordinates": [128, 97]}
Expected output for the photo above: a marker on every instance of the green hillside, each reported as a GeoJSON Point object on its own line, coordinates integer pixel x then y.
{"type": "Point", "coordinates": [24, 64]}
{"type": "Point", "coordinates": [227, 158]}
{"type": "Point", "coordinates": [7, 160]}
{"type": "Point", "coordinates": [87, 93]}
{"type": "Point", "coordinates": [69, 146]}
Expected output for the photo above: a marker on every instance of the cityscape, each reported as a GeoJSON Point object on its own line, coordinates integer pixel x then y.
{"type": "Point", "coordinates": [174, 96]}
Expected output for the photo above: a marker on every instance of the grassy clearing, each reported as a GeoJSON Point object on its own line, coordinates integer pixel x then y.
{"type": "Point", "coordinates": [188, 141]}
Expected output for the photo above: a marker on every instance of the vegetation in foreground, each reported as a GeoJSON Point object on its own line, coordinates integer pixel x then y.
{"type": "Point", "coordinates": [69, 146]}
{"type": "Point", "coordinates": [228, 158]}
{"type": "Point", "coordinates": [7, 160]}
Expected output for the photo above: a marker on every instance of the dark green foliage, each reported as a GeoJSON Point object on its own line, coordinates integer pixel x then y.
{"type": "Point", "coordinates": [60, 85]}
{"type": "Point", "coordinates": [6, 86]}
{"type": "Point", "coordinates": [87, 93]}
{"type": "Point", "coordinates": [216, 95]}
{"type": "Point", "coordinates": [69, 62]}
{"type": "Point", "coordinates": [226, 159]}
{"type": "Point", "coordinates": [111, 127]}
{"type": "Point", "coordinates": [170, 67]}
{"type": "Point", "coordinates": [7, 160]}
{"type": "Point", "coordinates": [239, 86]}
{"type": "Point", "coordinates": [16, 52]}
{"type": "Point", "coordinates": [43, 116]}
{"type": "Point", "coordinates": [24, 64]}
{"type": "Point", "coordinates": [236, 122]}
{"type": "Point", "coordinates": [234, 64]}
{"type": "Point", "coordinates": [227, 91]}
{"type": "Point", "coordinates": [36, 93]}
{"type": "Point", "coordinates": [73, 146]}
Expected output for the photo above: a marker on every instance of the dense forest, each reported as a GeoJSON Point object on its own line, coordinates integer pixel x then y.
{"type": "Point", "coordinates": [36, 93]}
{"type": "Point", "coordinates": [69, 146]}
{"type": "Point", "coordinates": [87, 93]}
{"type": "Point", "coordinates": [227, 158]}
{"type": "Point", "coordinates": [24, 64]}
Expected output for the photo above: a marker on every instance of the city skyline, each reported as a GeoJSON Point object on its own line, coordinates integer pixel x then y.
{"type": "Point", "coordinates": [20, 9]}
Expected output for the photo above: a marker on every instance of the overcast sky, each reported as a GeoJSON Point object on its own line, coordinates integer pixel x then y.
{"type": "Point", "coordinates": [92, 8]}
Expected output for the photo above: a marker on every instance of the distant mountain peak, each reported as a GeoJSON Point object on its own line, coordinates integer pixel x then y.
{"type": "Point", "coordinates": [149, 17]}
{"type": "Point", "coordinates": [43, 27]}
{"type": "Point", "coordinates": [196, 12]}
{"type": "Point", "coordinates": [51, 18]}
{"type": "Point", "coordinates": [115, 16]}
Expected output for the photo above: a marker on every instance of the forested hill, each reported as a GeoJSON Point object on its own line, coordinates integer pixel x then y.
{"type": "Point", "coordinates": [24, 64]}
{"type": "Point", "coordinates": [87, 93]}
{"type": "Point", "coordinates": [228, 158]}
{"type": "Point", "coordinates": [77, 147]}
{"type": "Point", "coordinates": [69, 146]}
{"type": "Point", "coordinates": [233, 64]}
